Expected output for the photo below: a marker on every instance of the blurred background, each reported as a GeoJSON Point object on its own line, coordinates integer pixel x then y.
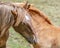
{"type": "Point", "coordinates": [50, 7]}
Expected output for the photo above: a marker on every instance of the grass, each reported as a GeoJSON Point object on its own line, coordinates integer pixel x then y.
{"type": "Point", "coordinates": [50, 7]}
{"type": "Point", "coordinates": [16, 40]}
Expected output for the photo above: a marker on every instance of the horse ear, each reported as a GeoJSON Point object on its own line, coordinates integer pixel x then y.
{"type": "Point", "coordinates": [27, 5]}
{"type": "Point", "coordinates": [14, 12]}
{"type": "Point", "coordinates": [17, 17]}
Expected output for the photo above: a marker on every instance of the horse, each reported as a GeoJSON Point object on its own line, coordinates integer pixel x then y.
{"type": "Point", "coordinates": [31, 23]}
{"type": "Point", "coordinates": [6, 20]}
{"type": "Point", "coordinates": [45, 33]}
{"type": "Point", "coordinates": [15, 16]}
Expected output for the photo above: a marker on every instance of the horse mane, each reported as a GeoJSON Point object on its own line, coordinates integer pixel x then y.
{"type": "Point", "coordinates": [40, 13]}
{"type": "Point", "coordinates": [8, 4]}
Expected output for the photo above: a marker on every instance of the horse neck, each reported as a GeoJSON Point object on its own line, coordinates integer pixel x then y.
{"type": "Point", "coordinates": [38, 21]}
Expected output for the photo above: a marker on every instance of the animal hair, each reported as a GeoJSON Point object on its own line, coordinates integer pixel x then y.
{"type": "Point", "coordinates": [40, 13]}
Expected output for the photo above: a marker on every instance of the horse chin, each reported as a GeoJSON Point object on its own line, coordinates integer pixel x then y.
{"type": "Point", "coordinates": [31, 40]}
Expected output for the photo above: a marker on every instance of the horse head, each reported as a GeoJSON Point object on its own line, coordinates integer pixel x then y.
{"type": "Point", "coordinates": [32, 18]}
{"type": "Point", "coordinates": [23, 24]}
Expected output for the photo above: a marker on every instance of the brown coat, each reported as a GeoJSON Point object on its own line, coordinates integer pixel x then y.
{"type": "Point", "coordinates": [47, 35]}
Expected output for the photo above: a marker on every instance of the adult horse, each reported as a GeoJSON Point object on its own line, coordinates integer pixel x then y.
{"type": "Point", "coordinates": [6, 20]}
{"type": "Point", "coordinates": [45, 34]}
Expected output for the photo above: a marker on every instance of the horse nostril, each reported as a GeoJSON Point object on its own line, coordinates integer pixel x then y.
{"type": "Point", "coordinates": [30, 40]}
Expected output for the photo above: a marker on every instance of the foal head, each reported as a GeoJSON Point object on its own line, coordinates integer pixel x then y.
{"type": "Point", "coordinates": [23, 24]}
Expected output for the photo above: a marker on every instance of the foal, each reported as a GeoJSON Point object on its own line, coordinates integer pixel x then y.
{"type": "Point", "coordinates": [45, 34]}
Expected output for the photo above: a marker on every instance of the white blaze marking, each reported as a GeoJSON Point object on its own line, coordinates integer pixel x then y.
{"type": "Point", "coordinates": [27, 17]}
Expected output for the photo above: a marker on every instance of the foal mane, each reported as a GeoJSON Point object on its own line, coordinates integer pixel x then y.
{"type": "Point", "coordinates": [40, 13]}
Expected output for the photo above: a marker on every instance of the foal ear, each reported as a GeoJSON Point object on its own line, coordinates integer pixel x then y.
{"type": "Point", "coordinates": [27, 5]}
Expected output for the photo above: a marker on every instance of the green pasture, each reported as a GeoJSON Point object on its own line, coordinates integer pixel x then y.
{"type": "Point", "coordinates": [50, 7]}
